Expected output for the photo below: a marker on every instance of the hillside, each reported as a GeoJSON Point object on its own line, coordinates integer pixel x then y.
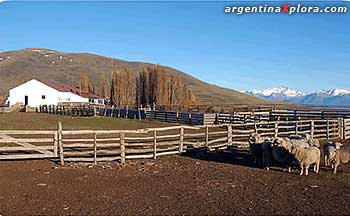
{"type": "Point", "coordinates": [48, 65]}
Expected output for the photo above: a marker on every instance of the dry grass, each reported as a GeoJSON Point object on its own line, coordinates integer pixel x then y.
{"type": "Point", "coordinates": [23, 121]}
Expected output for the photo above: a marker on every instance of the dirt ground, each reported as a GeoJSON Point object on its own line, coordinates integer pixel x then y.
{"type": "Point", "coordinates": [197, 183]}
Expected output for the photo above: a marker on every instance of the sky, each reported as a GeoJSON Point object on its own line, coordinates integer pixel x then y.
{"type": "Point", "coordinates": [306, 52]}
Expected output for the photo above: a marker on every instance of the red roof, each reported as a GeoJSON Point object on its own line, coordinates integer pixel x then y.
{"type": "Point", "coordinates": [74, 90]}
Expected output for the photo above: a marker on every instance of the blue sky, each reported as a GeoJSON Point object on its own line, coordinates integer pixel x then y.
{"type": "Point", "coordinates": [306, 52]}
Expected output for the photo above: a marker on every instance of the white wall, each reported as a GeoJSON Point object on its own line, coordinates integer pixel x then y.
{"type": "Point", "coordinates": [35, 90]}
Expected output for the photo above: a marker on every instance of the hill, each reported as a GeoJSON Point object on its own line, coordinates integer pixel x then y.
{"type": "Point", "coordinates": [48, 65]}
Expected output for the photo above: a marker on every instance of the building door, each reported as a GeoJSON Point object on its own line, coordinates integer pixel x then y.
{"type": "Point", "coordinates": [25, 100]}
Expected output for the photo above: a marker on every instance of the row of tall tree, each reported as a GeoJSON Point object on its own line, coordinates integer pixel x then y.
{"type": "Point", "coordinates": [151, 86]}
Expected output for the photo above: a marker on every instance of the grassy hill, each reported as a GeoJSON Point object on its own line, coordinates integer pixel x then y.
{"type": "Point", "coordinates": [48, 65]}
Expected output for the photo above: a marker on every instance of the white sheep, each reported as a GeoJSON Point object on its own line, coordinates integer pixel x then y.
{"type": "Point", "coordinates": [303, 140]}
{"type": "Point", "coordinates": [341, 156]}
{"type": "Point", "coordinates": [330, 149]}
{"type": "Point", "coordinates": [307, 157]}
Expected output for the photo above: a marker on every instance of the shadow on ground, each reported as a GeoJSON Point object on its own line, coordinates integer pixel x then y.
{"type": "Point", "coordinates": [232, 155]}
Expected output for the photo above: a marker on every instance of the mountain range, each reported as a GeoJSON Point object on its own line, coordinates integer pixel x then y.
{"type": "Point", "coordinates": [332, 97]}
{"type": "Point", "coordinates": [19, 66]}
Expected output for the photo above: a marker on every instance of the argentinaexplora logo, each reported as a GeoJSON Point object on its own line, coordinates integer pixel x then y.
{"type": "Point", "coordinates": [285, 9]}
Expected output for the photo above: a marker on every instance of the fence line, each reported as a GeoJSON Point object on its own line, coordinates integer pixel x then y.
{"type": "Point", "coordinates": [196, 118]}
{"type": "Point", "coordinates": [108, 145]}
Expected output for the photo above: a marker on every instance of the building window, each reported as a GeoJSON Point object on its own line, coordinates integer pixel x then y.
{"type": "Point", "coordinates": [43, 97]}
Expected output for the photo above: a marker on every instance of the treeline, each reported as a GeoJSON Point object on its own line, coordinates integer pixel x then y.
{"type": "Point", "coordinates": [2, 100]}
{"type": "Point", "coordinates": [152, 86]}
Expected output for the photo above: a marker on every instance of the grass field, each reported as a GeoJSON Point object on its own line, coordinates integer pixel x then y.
{"type": "Point", "coordinates": [24, 121]}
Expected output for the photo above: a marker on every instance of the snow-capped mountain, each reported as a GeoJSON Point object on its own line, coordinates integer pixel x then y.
{"type": "Point", "coordinates": [332, 97]}
{"type": "Point", "coordinates": [277, 94]}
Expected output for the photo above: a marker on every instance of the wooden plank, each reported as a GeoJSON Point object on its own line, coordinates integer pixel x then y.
{"type": "Point", "coordinates": [229, 135]}
{"type": "Point", "coordinates": [26, 140]}
{"type": "Point", "coordinates": [143, 156]}
{"type": "Point", "coordinates": [55, 144]}
{"type": "Point", "coordinates": [167, 153]}
{"type": "Point", "coordinates": [312, 129]}
{"type": "Point", "coordinates": [167, 149]}
{"type": "Point", "coordinates": [206, 135]}
{"type": "Point", "coordinates": [154, 144]}
{"type": "Point", "coordinates": [60, 143]}
{"type": "Point", "coordinates": [220, 132]}
{"type": "Point", "coordinates": [217, 140]}
{"type": "Point", "coordinates": [27, 132]}
{"type": "Point", "coordinates": [168, 136]}
{"type": "Point", "coordinates": [139, 144]}
{"type": "Point", "coordinates": [122, 148]}
{"type": "Point", "coordinates": [181, 141]}
{"type": "Point", "coordinates": [194, 135]}
{"type": "Point", "coordinates": [77, 140]}
{"type": "Point", "coordinates": [95, 149]}
{"type": "Point", "coordinates": [276, 129]}
{"type": "Point", "coordinates": [167, 143]}
{"type": "Point", "coordinates": [21, 148]}
{"type": "Point", "coordinates": [79, 153]}
{"type": "Point", "coordinates": [25, 156]}
{"type": "Point", "coordinates": [196, 144]}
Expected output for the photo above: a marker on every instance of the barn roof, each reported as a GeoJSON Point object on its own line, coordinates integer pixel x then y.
{"type": "Point", "coordinates": [74, 90]}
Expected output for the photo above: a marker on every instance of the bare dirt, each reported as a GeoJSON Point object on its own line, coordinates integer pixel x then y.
{"type": "Point", "coordinates": [196, 184]}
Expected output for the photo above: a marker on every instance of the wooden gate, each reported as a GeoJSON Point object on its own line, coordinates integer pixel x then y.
{"type": "Point", "coordinates": [21, 144]}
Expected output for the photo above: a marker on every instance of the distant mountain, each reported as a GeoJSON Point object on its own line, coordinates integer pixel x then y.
{"type": "Point", "coordinates": [277, 94]}
{"type": "Point", "coordinates": [332, 97]}
{"type": "Point", "coordinates": [19, 66]}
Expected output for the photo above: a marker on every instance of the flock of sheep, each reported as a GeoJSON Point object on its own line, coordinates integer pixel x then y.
{"type": "Point", "coordinates": [296, 150]}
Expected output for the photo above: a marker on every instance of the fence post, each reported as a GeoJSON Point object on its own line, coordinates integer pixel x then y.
{"type": "Point", "coordinates": [122, 148]}
{"type": "Point", "coordinates": [60, 143]}
{"type": "Point", "coordinates": [340, 128]}
{"type": "Point", "coordinates": [206, 135]}
{"type": "Point", "coordinates": [296, 127]}
{"type": "Point", "coordinates": [255, 127]}
{"type": "Point", "coordinates": [312, 128]}
{"type": "Point", "coordinates": [139, 112]}
{"type": "Point", "coordinates": [276, 128]}
{"type": "Point", "coordinates": [154, 144]}
{"type": "Point", "coordinates": [95, 149]}
{"type": "Point", "coordinates": [327, 129]}
{"type": "Point", "coordinates": [344, 128]}
{"type": "Point", "coordinates": [55, 144]}
{"type": "Point", "coordinates": [181, 144]}
{"type": "Point", "coordinates": [229, 135]}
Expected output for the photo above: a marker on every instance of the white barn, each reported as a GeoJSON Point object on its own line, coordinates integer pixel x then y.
{"type": "Point", "coordinates": [35, 93]}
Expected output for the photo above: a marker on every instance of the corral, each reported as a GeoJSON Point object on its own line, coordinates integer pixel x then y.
{"type": "Point", "coordinates": [110, 145]}
{"type": "Point", "coordinates": [201, 182]}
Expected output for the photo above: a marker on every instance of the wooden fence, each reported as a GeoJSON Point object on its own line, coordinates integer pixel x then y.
{"type": "Point", "coordinates": [346, 129]}
{"type": "Point", "coordinates": [108, 145]}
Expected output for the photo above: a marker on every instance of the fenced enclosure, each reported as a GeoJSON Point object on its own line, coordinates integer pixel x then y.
{"type": "Point", "coordinates": [109, 145]}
